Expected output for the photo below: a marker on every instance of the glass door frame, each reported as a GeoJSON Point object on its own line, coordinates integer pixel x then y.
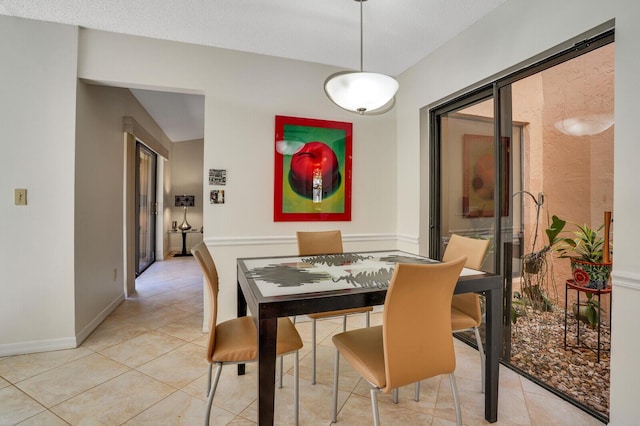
{"type": "Point", "coordinates": [152, 207]}
{"type": "Point", "coordinates": [500, 91]}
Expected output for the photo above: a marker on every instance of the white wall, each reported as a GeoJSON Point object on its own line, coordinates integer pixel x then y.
{"type": "Point", "coordinates": [37, 118]}
{"type": "Point", "coordinates": [514, 32]}
{"type": "Point", "coordinates": [99, 167]}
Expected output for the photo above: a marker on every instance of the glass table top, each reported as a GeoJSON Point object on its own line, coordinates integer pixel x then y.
{"type": "Point", "coordinates": [278, 276]}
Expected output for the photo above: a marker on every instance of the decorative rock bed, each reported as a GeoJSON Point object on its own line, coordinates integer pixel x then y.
{"type": "Point", "coordinates": [537, 348]}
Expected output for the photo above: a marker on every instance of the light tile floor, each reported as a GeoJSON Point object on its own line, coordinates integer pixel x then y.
{"type": "Point", "coordinates": [145, 365]}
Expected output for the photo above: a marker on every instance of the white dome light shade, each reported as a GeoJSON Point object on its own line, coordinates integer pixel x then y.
{"type": "Point", "coordinates": [587, 125]}
{"type": "Point", "coordinates": [361, 92]}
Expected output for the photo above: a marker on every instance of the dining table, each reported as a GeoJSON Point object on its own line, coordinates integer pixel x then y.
{"type": "Point", "coordinates": [286, 286]}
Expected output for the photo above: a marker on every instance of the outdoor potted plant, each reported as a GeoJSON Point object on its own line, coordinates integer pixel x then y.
{"type": "Point", "coordinates": [589, 255]}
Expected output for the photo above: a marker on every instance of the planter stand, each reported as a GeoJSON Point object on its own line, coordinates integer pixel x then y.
{"type": "Point", "coordinates": [570, 284]}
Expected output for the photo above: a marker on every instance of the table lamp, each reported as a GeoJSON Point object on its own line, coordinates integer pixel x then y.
{"type": "Point", "coordinates": [185, 201]}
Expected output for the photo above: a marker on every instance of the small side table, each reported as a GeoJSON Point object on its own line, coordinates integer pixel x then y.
{"type": "Point", "coordinates": [184, 251]}
{"type": "Point", "coordinates": [570, 284]}
{"type": "Point", "coordinates": [184, 246]}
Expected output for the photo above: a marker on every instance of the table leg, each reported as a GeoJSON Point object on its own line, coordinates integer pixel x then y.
{"type": "Point", "coordinates": [184, 251]}
{"type": "Point", "coordinates": [242, 312]}
{"type": "Point", "coordinates": [494, 307]}
{"type": "Point", "coordinates": [267, 335]}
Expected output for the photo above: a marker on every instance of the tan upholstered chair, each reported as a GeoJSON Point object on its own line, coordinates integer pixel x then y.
{"type": "Point", "coordinates": [466, 314]}
{"type": "Point", "coordinates": [415, 340]}
{"type": "Point", "coordinates": [235, 341]}
{"type": "Point", "coordinates": [324, 242]}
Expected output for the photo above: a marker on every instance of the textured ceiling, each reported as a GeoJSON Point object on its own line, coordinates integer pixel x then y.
{"type": "Point", "coordinates": [397, 33]}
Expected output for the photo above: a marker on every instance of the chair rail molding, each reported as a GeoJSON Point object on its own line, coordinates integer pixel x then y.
{"type": "Point", "coordinates": [625, 279]}
{"type": "Point", "coordinates": [291, 239]}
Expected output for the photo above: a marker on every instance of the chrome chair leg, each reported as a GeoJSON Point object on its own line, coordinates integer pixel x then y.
{"type": "Point", "coordinates": [336, 368]}
{"type": "Point", "coordinates": [296, 387]}
{"type": "Point", "coordinates": [313, 351]}
{"type": "Point", "coordinates": [482, 356]}
{"type": "Point", "coordinates": [209, 379]}
{"type": "Point", "coordinates": [212, 392]}
{"type": "Point", "coordinates": [395, 395]}
{"type": "Point", "coordinates": [374, 406]}
{"type": "Point", "coordinates": [456, 400]}
{"type": "Point", "coordinates": [416, 396]}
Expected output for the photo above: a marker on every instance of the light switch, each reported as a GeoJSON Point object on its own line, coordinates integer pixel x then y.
{"type": "Point", "coordinates": [21, 197]}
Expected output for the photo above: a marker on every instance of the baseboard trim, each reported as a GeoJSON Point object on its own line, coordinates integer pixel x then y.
{"type": "Point", "coordinates": [37, 346]}
{"type": "Point", "coordinates": [47, 345]}
{"type": "Point", "coordinates": [88, 329]}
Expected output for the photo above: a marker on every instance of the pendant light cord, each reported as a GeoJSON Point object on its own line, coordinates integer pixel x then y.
{"type": "Point", "coordinates": [361, 36]}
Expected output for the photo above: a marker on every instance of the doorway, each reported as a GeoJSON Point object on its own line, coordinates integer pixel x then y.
{"type": "Point", "coordinates": [146, 207]}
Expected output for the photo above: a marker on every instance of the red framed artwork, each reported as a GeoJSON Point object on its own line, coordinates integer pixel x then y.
{"type": "Point", "coordinates": [312, 170]}
{"type": "Point", "coordinates": [478, 178]}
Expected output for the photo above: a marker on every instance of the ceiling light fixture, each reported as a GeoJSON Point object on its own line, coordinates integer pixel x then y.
{"type": "Point", "coordinates": [361, 92]}
{"type": "Point", "coordinates": [586, 125]}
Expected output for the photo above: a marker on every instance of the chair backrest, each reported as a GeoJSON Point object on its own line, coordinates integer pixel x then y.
{"type": "Point", "coordinates": [473, 248]}
{"type": "Point", "coordinates": [417, 335]}
{"type": "Point", "coordinates": [319, 242]}
{"type": "Point", "coordinates": [202, 255]}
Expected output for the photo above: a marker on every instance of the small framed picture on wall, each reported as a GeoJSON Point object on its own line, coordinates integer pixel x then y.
{"type": "Point", "coordinates": [217, 196]}
{"type": "Point", "coordinates": [217, 177]}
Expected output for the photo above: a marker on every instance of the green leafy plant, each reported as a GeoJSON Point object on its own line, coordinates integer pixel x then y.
{"type": "Point", "coordinates": [554, 230]}
{"type": "Point", "coordinates": [587, 244]}
{"type": "Point", "coordinates": [586, 251]}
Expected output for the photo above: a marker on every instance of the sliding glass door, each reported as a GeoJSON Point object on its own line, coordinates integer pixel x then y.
{"type": "Point", "coordinates": [146, 207]}
{"type": "Point", "coordinates": [504, 160]}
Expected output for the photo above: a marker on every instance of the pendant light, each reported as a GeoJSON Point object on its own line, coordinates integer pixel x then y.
{"type": "Point", "coordinates": [361, 92]}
